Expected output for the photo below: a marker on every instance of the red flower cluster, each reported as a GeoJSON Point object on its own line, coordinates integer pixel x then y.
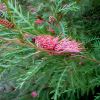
{"type": "Point", "coordinates": [56, 46]}
{"type": "Point", "coordinates": [6, 23]}
{"type": "Point", "coordinates": [39, 21]}
{"type": "Point", "coordinates": [67, 45]}
{"type": "Point", "coordinates": [46, 42]}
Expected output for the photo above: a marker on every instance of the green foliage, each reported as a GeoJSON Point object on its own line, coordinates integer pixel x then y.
{"type": "Point", "coordinates": [97, 97]}
{"type": "Point", "coordinates": [26, 69]}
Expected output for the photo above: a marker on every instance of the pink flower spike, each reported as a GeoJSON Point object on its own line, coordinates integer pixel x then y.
{"type": "Point", "coordinates": [34, 94]}
{"type": "Point", "coordinates": [39, 21]}
{"type": "Point", "coordinates": [53, 46]}
{"type": "Point", "coordinates": [46, 42]}
{"type": "Point", "coordinates": [67, 45]}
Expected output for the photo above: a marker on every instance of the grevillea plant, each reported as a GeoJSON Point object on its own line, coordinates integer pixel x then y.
{"type": "Point", "coordinates": [45, 52]}
{"type": "Point", "coordinates": [56, 46]}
